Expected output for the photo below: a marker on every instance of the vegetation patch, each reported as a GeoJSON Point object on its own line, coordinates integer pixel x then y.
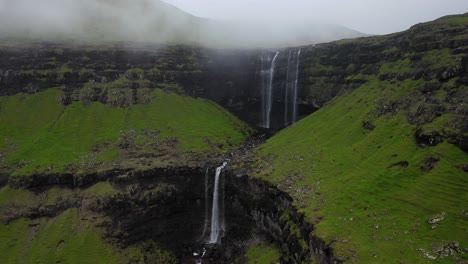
{"type": "Point", "coordinates": [149, 252]}
{"type": "Point", "coordinates": [400, 67]}
{"type": "Point", "coordinates": [263, 254]}
{"type": "Point", "coordinates": [63, 239]}
{"type": "Point", "coordinates": [40, 135]}
{"type": "Point", "coordinates": [441, 60]}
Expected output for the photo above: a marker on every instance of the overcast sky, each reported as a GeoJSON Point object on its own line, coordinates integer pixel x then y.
{"type": "Point", "coordinates": [367, 16]}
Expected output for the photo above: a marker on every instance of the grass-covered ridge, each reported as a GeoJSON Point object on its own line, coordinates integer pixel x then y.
{"type": "Point", "coordinates": [39, 134]}
{"type": "Point", "coordinates": [359, 175]}
{"type": "Point", "coordinates": [63, 239]}
{"type": "Point", "coordinates": [48, 227]}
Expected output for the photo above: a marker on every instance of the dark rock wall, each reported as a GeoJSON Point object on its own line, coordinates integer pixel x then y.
{"type": "Point", "coordinates": [274, 214]}
{"type": "Point", "coordinates": [232, 78]}
{"type": "Point", "coordinates": [171, 207]}
{"type": "Point", "coordinates": [166, 209]}
{"type": "Point", "coordinates": [228, 77]}
{"type": "Point", "coordinates": [171, 211]}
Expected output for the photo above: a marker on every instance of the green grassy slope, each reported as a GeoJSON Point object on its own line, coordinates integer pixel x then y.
{"type": "Point", "coordinates": [39, 134]}
{"type": "Point", "coordinates": [63, 239]}
{"type": "Point", "coordinates": [262, 254]}
{"type": "Point", "coordinates": [352, 182]}
{"type": "Point", "coordinates": [72, 236]}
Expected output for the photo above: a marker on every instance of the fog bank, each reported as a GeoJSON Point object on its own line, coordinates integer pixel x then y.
{"type": "Point", "coordinates": [151, 21]}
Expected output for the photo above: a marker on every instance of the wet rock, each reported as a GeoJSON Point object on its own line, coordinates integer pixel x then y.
{"type": "Point", "coordinates": [436, 218]}
{"type": "Point", "coordinates": [447, 249]}
{"type": "Point", "coordinates": [429, 163]}
{"type": "Point", "coordinates": [465, 167]}
{"type": "Point", "coordinates": [403, 164]}
{"type": "Point", "coordinates": [425, 139]}
{"type": "Point", "coordinates": [368, 125]}
{"type": "Point", "coordinates": [430, 86]}
{"type": "Point", "coordinates": [427, 254]}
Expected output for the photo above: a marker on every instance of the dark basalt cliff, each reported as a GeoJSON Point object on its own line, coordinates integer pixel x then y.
{"type": "Point", "coordinates": [275, 216]}
{"type": "Point", "coordinates": [119, 74]}
{"type": "Point", "coordinates": [173, 207]}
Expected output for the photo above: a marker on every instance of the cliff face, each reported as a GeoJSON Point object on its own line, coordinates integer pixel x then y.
{"type": "Point", "coordinates": [434, 52]}
{"type": "Point", "coordinates": [172, 207]}
{"type": "Point", "coordinates": [97, 73]}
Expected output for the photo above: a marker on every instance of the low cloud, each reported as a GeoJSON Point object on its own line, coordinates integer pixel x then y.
{"type": "Point", "coordinates": [150, 21]}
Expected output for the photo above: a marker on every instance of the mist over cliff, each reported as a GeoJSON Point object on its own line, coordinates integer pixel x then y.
{"type": "Point", "coordinates": [152, 21]}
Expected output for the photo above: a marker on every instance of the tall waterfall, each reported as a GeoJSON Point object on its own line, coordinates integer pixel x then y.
{"type": "Point", "coordinates": [268, 73]}
{"type": "Point", "coordinates": [216, 222]}
{"type": "Point", "coordinates": [290, 91]}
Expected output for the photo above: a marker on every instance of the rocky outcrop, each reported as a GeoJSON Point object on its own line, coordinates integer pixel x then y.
{"type": "Point", "coordinates": [273, 213]}
{"type": "Point", "coordinates": [168, 209]}
{"type": "Point", "coordinates": [79, 180]}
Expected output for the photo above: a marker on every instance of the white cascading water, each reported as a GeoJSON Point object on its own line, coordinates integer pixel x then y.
{"type": "Point", "coordinates": [216, 222]}
{"type": "Point", "coordinates": [265, 59]}
{"type": "Point", "coordinates": [290, 95]}
{"type": "Point", "coordinates": [295, 87]}
{"type": "Point", "coordinates": [286, 91]}
{"type": "Point", "coordinates": [268, 75]}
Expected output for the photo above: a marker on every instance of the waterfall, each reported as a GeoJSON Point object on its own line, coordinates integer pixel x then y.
{"type": "Point", "coordinates": [216, 222]}
{"type": "Point", "coordinates": [268, 74]}
{"type": "Point", "coordinates": [270, 90]}
{"type": "Point", "coordinates": [294, 115]}
{"type": "Point", "coordinates": [286, 91]}
{"type": "Point", "coordinates": [290, 94]}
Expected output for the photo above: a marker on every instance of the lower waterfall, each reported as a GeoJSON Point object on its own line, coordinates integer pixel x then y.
{"type": "Point", "coordinates": [216, 221]}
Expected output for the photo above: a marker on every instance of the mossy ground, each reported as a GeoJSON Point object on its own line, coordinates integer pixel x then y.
{"type": "Point", "coordinates": [262, 254]}
{"type": "Point", "coordinates": [63, 239]}
{"type": "Point", "coordinates": [38, 134]}
{"type": "Point", "coordinates": [72, 236]}
{"type": "Point", "coordinates": [347, 180]}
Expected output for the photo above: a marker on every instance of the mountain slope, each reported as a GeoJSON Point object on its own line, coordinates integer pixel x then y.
{"type": "Point", "coordinates": [370, 192]}
{"type": "Point", "coordinates": [381, 169]}
{"type": "Point", "coordinates": [98, 21]}
{"type": "Point", "coordinates": [68, 235]}
{"type": "Point", "coordinates": [41, 135]}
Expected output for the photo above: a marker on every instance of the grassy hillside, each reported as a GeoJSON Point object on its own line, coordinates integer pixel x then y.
{"type": "Point", "coordinates": [62, 239]}
{"type": "Point", "coordinates": [38, 134]}
{"type": "Point", "coordinates": [359, 175]}
{"type": "Point", "coordinates": [65, 235]}
{"type": "Point", "coordinates": [262, 254]}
